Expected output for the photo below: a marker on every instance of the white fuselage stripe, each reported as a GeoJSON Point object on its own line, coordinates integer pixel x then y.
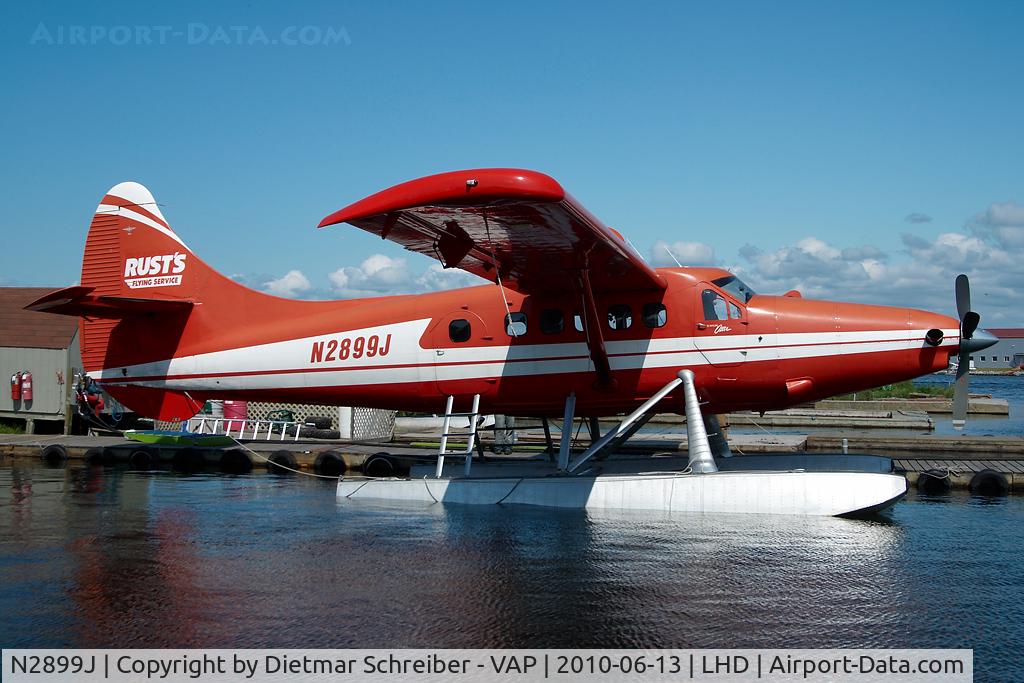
{"type": "Point", "coordinates": [288, 364]}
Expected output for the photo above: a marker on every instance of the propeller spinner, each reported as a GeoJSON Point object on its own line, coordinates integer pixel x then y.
{"type": "Point", "coordinates": [971, 339]}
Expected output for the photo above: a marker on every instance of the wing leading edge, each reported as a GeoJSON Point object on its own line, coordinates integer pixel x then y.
{"type": "Point", "coordinates": [521, 225]}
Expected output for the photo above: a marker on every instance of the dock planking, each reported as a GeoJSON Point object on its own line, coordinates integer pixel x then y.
{"type": "Point", "coordinates": [961, 456]}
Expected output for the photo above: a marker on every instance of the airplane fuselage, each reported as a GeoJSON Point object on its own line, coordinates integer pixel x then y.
{"type": "Point", "coordinates": [756, 352]}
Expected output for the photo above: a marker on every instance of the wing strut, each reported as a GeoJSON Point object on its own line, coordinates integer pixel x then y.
{"type": "Point", "coordinates": [702, 460]}
{"type": "Point", "coordinates": [595, 340]}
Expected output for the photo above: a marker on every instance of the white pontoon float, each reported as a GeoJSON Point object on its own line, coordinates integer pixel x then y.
{"type": "Point", "coordinates": [699, 487]}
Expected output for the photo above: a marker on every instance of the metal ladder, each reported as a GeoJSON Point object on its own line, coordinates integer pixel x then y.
{"type": "Point", "coordinates": [445, 433]}
{"type": "Point", "coordinates": [222, 425]}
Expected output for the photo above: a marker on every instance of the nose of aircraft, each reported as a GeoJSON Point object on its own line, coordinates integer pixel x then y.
{"type": "Point", "coordinates": [980, 340]}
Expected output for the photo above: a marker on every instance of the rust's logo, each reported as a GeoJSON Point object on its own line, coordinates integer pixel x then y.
{"type": "Point", "coordinates": [154, 271]}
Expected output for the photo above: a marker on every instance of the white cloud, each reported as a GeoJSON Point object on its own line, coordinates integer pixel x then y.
{"type": "Point", "coordinates": [811, 265]}
{"type": "Point", "coordinates": [866, 252]}
{"type": "Point", "coordinates": [381, 275]}
{"type": "Point", "coordinates": [687, 253]}
{"type": "Point", "coordinates": [437, 277]}
{"type": "Point", "coordinates": [991, 252]}
{"type": "Point", "coordinates": [818, 249]}
{"type": "Point", "coordinates": [291, 285]}
{"type": "Point", "coordinates": [1003, 223]}
{"type": "Point", "coordinates": [376, 276]}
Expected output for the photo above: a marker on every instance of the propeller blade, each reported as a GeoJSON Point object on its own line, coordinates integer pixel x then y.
{"type": "Point", "coordinates": [963, 295]}
{"type": "Point", "coordinates": [961, 388]}
{"type": "Point", "coordinates": [968, 324]}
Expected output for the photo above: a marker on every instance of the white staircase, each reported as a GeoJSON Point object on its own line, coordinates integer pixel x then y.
{"type": "Point", "coordinates": [470, 435]}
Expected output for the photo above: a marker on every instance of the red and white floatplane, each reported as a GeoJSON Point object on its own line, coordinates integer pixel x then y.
{"type": "Point", "coordinates": [574, 324]}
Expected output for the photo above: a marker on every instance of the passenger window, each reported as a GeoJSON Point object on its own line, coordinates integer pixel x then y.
{"type": "Point", "coordinates": [714, 305]}
{"type": "Point", "coordinates": [577, 322]}
{"type": "Point", "coordinates": [551, 321]}
{"type": "Point", "coordinates": [515, 324]}
{"type": "Point", "coordinates": [620, 317]}
{"type": "Point", "coordinates": [459, 330]}
{"type": "Point", "coordinates": [655, 315]}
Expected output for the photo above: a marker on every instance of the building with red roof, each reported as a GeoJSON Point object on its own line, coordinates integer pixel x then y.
{"type": "Point", "coordinates": [43, 344]}
{"type": "Point", "coordinates": [1007, 353]}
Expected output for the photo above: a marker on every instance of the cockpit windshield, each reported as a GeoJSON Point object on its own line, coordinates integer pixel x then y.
{"type": "Point", "coordinates": [735, 287]}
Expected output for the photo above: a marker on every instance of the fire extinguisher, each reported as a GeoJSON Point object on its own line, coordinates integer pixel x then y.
{"type": "Point", "coordinates": [16, 386]}
{"type": "Point", "coordinates": [26, 386]}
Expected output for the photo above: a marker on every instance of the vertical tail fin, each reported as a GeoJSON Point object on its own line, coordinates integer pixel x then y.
{"type": "Point", "coordinates": [131, 252]}
{"type": "Point", "coordinates": [138, 295]}
{"type": "Point", "coordinates": [148, 306]}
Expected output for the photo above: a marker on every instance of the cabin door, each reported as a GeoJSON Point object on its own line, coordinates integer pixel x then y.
{"type": "Point", "coordinates": [461, 348]}
{"type": "Point", "coordinates": [720, 331]}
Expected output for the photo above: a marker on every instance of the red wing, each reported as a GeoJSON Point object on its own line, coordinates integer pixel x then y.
{"type": "Point", "coordinates": [523, 221]}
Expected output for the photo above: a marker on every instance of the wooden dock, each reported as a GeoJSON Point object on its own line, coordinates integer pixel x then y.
{"type": "Point", "coordinates": [979, 447]}
{"type": "Point", "coordinates": [961, 473]}
{"type": "Point", "coordinates": [976, 405]}
{"type": "Point", "coordinates": [326, 457]}
{"type": "Point", "coordinates": [957, 458]}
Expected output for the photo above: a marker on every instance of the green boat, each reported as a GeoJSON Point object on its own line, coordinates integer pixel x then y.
{"type": "Point", "coordinates": [166, 437]}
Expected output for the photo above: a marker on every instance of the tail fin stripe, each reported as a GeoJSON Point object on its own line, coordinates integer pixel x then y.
{"type": "Point", "coordinates": [153, 213]}
{"type": "Point", "coordinates": [108, 210]}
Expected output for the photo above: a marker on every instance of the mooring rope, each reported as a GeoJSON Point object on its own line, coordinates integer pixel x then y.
{"type": "Point", "coordinates": [949, 473]}
{"type": "Point", "coordinates": [774, 436]}
{"type": "Point", "coordinates": [283, 467]}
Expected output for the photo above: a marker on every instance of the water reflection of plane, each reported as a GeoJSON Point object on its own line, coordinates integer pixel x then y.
{"type": "Point", "coordinates": [572, 578]}
{"type": "Point", "coordinates": [135, 564]}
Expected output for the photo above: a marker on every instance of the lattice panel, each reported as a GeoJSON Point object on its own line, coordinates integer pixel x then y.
{"type": "Point", "coordinates": [259, 411]}
{"type": "Point", "coordinates": [371, 424]}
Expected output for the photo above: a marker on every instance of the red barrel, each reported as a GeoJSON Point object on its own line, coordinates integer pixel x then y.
{"type": "Point", "coordinates": [236, 410]}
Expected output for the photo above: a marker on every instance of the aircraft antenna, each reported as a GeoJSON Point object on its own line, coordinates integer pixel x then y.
{"type": "Point", "coordinates": [665, 245]}
{"type": "Point", "coordinates": [633, 247]}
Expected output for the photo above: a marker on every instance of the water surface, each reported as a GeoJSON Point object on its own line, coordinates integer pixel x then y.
{"type": "Point", "coordinates": [999, 386]}
{"type": "Point", "coordinates": [97, 557]}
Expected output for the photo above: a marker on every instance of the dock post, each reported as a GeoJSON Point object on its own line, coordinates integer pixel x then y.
{"type": "Point", "coordinates": [345, 423]}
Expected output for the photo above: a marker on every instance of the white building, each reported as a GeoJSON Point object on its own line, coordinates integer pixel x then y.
{"type": "Point", "coordinates": [1007, 353]}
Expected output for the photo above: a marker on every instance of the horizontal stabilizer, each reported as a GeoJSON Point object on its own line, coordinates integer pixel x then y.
{"type": "Point", "coordinates": [80, 301]}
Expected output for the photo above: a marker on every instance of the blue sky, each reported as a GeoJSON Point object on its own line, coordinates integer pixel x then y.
{"type": "Point", "coordinates": [862, 151]}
